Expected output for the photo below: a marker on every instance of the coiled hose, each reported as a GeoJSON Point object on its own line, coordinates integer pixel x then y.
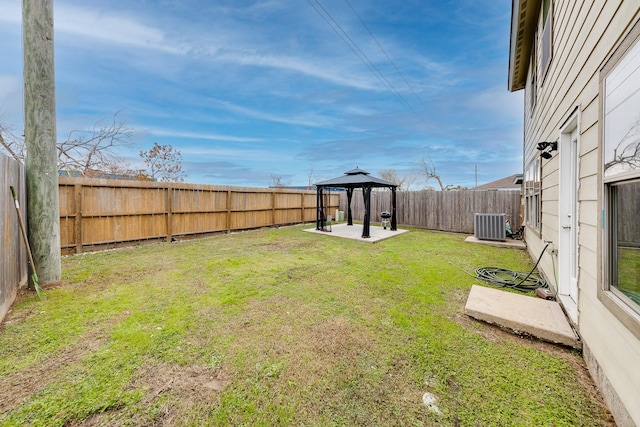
{"type": "Point", "coordinates": [524, 282]}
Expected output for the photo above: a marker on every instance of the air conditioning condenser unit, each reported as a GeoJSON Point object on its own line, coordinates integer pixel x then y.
{"type": "Point", "coordinates": [489, 226]}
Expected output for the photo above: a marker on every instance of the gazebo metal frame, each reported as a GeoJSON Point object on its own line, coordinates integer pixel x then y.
{"type": "Point", "coordinates": [355, 178]}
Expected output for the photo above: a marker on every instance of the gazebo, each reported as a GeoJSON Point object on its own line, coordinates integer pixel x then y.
{"type": "Point", "coordinates": [356, 178]}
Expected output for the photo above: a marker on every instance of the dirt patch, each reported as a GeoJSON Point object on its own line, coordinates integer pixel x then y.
{"type": "Point", "coordinates": [337, 337]}
{"type": "Point", "coordinates": [297, 335]}
{"type": "Point", "coordinates": [171, 393]}
{"type": "Point", "coordinates": [17, 386]}
{"type": "Point", "coordinates": [282, 246]}
{"type": "Point", "coordinates": [194, 383]}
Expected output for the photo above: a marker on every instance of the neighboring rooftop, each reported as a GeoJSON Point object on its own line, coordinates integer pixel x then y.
{"type": "Point", "coordinates": [511, 182]}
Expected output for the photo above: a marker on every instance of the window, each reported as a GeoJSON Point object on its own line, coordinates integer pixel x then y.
{"type": "Point", "coordinates": [542, 46]}
{"type": "Point", "coordinates": [624, 241]}
{"type": "Point", "coordinates": [533, 67]}
{"type": "Point", "coordinates": [621, 173]}
{"type": "Point", "coordinates": [532, 194]}
{"type": "Point", "coordinates": [545, 41]}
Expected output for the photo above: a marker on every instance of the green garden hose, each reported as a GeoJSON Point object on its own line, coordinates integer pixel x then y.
{"type": "Point", "coordinates": [503, 277]}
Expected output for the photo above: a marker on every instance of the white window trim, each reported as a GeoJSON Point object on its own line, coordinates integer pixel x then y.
{"type": "Point", "coordinates": [546, 43]}
{"type": "Point", "coordinates": [533, 213]}
{"type": "Point", "coordinates": [609, 297]}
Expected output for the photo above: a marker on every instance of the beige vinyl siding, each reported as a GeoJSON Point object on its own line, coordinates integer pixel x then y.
{"type": "Point", "coordinates": [590, 144]}
{"type": "Point", "coordinates": [617, 362]}
{"type": "Point", "coordinates": [589, 119]}
{"type": "Point", "coordinates": [588, 188]}
{"type": "Point", "coordinates": [589, 214]}
{"type": "Point", "coordinates": [585, 34]}
{"type": "Point", "coordinates": [578, 60]}
{"type": "Point", "coordinates": [588, 255]}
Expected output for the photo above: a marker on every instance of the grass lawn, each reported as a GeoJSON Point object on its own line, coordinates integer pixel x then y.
{"type": "Point", "coordinates": [629, 272]}
{"type": "Point", "coordinates": [281, 327]}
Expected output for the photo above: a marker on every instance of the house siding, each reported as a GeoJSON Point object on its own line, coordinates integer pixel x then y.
{"type": "Point", "coordinates": [585, 34]}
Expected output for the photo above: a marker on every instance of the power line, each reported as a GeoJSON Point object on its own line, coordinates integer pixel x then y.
{"type": "Point", "coordinates": [385, 53]}
{"type": "Point", "coordinates": [337, 28]}
{"type": "Point", "coordinates": [343, 35]}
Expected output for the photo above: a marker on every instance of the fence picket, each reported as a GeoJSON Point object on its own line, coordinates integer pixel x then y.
{"type": "Point", "coordinates": [13, 261]}
{"type": "Point", "coordinates": [98, 213]}
{"type": "Point", "coordinates": [439, 210]}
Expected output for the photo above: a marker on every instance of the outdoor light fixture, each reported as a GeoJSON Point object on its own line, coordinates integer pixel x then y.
{"type": "Point", "coordinates": [546, 148]}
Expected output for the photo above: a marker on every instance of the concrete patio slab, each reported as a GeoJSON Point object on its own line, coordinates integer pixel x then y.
{"type": "Point", "coordinates": [534, 316]}
{"type": "Point", "coordinates": [508, 243]}
{"type": "Point", "coordinates": [354, 232]}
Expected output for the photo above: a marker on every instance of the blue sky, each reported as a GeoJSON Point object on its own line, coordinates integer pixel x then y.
{"type": "Point", "coordinates": [248, 90]}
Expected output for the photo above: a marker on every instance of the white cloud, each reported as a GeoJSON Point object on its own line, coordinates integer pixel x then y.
{"type": "Point", "coordinates": [196, 135]}
{"type": "Point", "coordinates": [309, 119]}
{"type": "Point", "coordinates": [125, 30]}
{"type": "Point", "coordinates": [105, 26]}
{"type": "Point", "coordinates": [111, 28]}
{"type": "Point", "coordinates": [316, 69]}
{"type": "Point", "coordinates": [200, 154]}
{"type": "Point", "coordinates": [221, 45]}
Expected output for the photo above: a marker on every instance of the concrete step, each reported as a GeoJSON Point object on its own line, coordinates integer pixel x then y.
{"type": "Point", "coordinates": [534, 316]}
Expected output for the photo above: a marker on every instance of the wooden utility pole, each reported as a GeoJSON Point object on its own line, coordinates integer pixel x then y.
{"type": "Point", "coordinates": [40, 137]}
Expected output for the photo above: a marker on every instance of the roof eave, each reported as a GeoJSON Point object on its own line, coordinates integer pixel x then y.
{"type": "Point", "coordinates": [524, 16]}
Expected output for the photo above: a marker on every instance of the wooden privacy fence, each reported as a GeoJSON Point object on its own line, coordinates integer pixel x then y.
{"type": "Point", "coordinates": [100, 213]}
{"type": "Point", "coordinates": [628, 229]}
{"type": "Point", "coordinates": [439, 210]}
{"type": "Point", "coordinates": [13, 262]}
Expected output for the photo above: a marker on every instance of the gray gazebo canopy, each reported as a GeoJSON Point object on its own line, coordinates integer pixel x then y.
{"type": "Point", "coordinates": [356, 178]}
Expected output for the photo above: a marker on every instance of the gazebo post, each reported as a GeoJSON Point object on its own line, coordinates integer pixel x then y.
{"type": "Point", "coordinates": [366, 192]}
{"type": "Point", "coordinates": [349, 196]}
{"type": "Point", "coordinates": [394, 224]}
{"type": "Point", "coordinates": [319, 210]}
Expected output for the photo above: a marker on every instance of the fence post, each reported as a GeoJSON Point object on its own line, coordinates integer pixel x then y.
{"type": "Point", "coordinates": [168, 200]}
{"type": "Point", "coordinates": [228, 211]}
{"type": "Point", "coordinates": [77, 196]}
{"type": "Point", "coordinates": [273, 207]}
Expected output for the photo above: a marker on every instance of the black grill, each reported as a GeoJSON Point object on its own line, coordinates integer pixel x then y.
{"type": "Point", "coordinates": [385, 215]}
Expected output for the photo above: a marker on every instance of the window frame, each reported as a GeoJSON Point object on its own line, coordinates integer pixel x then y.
{"type": "Point", "coordinates": [533, 195]}
{"type": "Point", "coordinates": [613, 299]}
{"type": "Point", "coordinates": [612, 188]}
{"type": "Point", "coordinates": [546, 40]}
{"type": "Point", "coordinates": [533, 78]}
{"type": "Point", "coordinates": [542, 46]}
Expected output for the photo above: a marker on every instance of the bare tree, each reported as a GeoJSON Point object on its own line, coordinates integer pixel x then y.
{"type": "Point", "coordinates": [410, 180]}
{"type": "Point", "coordinates": [277, 181]}
{"type": "Point", "coordinates": [93, 151]}
{"type": "Point", "coordinates": [164, 164]}
{"type": "Point", "coordinates": [429, 170]}
{"type": "Point", "coordinates": [627, 152]}
{"type": "Point", "coordinates": [311, 177]}
{"type": "Point", "coordinates": [86, 152]}
{"type": "Point", "coordinates": [392, 176]}
{"type": "Point", "coordinates": [12, 144]}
